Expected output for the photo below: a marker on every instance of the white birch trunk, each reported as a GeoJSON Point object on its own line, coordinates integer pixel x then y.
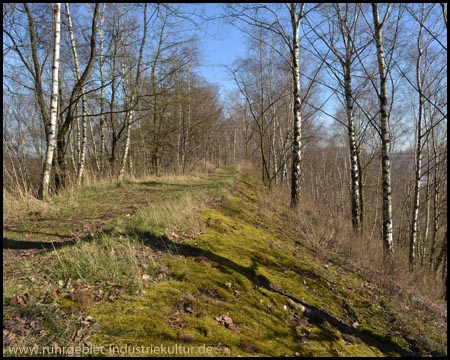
{"type": "Point", "coordinates": [356, 210]}
{"type": "Point", "coordinates": [94, 146]}
{"type": "Point", "coordinates": [129, 103]}
{"type": "Point", "coordinates": [388, 245]}
{"type": "Point", "coordinates": [132, 96]}
{"type": "Point", "coordinates": [128, 121]}
{"type": "Point", "coordinates": [82, 133]}
{"type": "Point", "coordinates": [51, 143]}
{"type": "Point", "coordinates": [417, 179]}
{"type": "Point", "coordinates": [296, 148]}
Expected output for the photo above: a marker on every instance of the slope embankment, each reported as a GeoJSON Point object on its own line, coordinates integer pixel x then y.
{"type": "Point", "coordinates": [207, 266]}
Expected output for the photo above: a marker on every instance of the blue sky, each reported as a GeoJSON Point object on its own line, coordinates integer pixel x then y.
{"type": "Point", "coordinates": [220, 44]}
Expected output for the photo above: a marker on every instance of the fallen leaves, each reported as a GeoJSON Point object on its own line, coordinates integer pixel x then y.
{"type": "Point", "coordinates": [227, 321]}
{"type": "Point", "coordinates": [175, 321]}
{"type": "Point", "coordinates": [20, 300]}
{"type": "Point", "coordinates": [17, 328]}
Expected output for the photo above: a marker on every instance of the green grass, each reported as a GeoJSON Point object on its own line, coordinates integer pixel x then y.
{"type": "Point", "coordinates": [103, 259]}
{"type": "Point", "coordinates": [201, 248]}
{"type": "Point", "coordinates": [104, 262]}
{"type": "Point", "coordinates": [243, 267]}
{"type": "Point", "coordinates": [72, 214]}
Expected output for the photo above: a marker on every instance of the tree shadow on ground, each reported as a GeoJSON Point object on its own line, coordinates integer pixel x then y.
{"type": "Point", "coordinates": [37, 232]}
{"type": "Point", "coordinates": [313, 314]}
{"type": "Point", "coordinates": [39, 245]}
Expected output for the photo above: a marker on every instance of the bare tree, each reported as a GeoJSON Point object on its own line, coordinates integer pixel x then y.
{"type": "Point", "coordinates": [418, 147]}
{"type": "Point", "coordinates": [249, 14]}
{"type": "Point", "coordinates": [60, 180]}
{"type": "Point", "coordinates": [340, 37]}
{"type": "Point", "coordinates": [388, 244]}
{"type": "Point", "coordinates": [132, 94]}
{"type": "Point", "coordinates": [84, 117]}
{"type": "Point", "coordinates": [43, 190]}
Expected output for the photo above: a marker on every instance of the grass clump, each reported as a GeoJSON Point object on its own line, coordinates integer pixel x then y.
{"type": "Point", "coordinates": [105, 258]}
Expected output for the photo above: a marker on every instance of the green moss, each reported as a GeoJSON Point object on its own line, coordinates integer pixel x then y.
{"type": "Point", "coordinates": [245, 261]}
{"type": "Point", "coordinates": [229, 270]}
{"type": "Point", "coordinates": [68, 305]}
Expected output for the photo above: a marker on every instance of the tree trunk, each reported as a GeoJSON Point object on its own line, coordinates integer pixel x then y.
{"type": "Point", "coordinates": [128, 120]}
{"type": "Point", "coordinates": [186, 127]}
{"type": "Point", "coordinates": [388, 247]}
{"type": "Point", "coordinates": [436, 190]}
{"type": "Point", "coordinates": [296, 148]}
{"type": "Point", "coordinates": [131, 95]}
{"type": "Point", "coordinates": [37, 73]}
{"type": "Point", "coordinates": [418, 165]}
{"type": "Point", "coordinates": [361, 191]}
{"type": "Point", "coordinates": [43, 191]}
{"type": "Point", "coordinates": [356, 202]}
{"type": "Point", "coordinates": [61, 173]}
{"type": "Point", "coordinates": [83, 130]}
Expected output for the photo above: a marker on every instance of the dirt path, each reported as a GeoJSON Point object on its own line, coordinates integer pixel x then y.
{"type": "Point", "coordinates": [67, 218]}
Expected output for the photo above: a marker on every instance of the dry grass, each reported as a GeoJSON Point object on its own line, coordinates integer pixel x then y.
{"type": "Point", "coordinates": [18, 205]}
{"type": "Point", "coordinates": [325, 228]}
{"type": "Point", "coordinates": [117, 257]}
{"type": "Point", "coordinates": [366, 252]}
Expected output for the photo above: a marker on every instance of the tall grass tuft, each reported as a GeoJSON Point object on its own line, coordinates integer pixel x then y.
{"type": "Point", "coordinates": [104, 259]}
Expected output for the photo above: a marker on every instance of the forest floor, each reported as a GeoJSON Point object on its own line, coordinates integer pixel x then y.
{"type": "Point", "coordinates": [205, 265]}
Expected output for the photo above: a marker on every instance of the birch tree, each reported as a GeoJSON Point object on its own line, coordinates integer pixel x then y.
{"type": "Point", "coordinates": [388, 245]}
{"type": "Point", "coordinates": [340, 37]}
{"type": "Point", "coordinates": [418, 147]}
{"type": "Point", "coordinates": [131, 89]}
{"type": "Point", "coordinates": [60, 180]}
{"type": "Point", "coordinates": [288, 31]}
{"type": "Point", "coordinates": [294, 47]}
{"type": "Point", "coordinates": [43, 190]}
{"type": "Point", "coordinates": [84, 116]}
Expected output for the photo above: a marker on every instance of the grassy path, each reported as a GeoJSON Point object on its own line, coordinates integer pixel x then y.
{"type": "Point", "coordinates": [210, 262]}
{"type": "Point", "coordinates": [69, 216]}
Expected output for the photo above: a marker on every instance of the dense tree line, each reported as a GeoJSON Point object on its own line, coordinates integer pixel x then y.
{"type": "Point", "coordinates": [129, 100]}
{"type": "Point", "coordinates": [343, 104]}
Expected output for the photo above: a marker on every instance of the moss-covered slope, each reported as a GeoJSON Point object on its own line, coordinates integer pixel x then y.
{"type": "Point", "coordinates": [247, 285]}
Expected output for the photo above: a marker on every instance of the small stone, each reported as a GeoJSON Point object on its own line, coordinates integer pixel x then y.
{"type": "Point", "coordinates": [355, 325]}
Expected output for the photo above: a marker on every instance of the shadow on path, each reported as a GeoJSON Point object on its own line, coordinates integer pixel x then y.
{"type": "Point", "coordinates": [314, 315]}
{"type": "Point", "coordinates": [40, 245]}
